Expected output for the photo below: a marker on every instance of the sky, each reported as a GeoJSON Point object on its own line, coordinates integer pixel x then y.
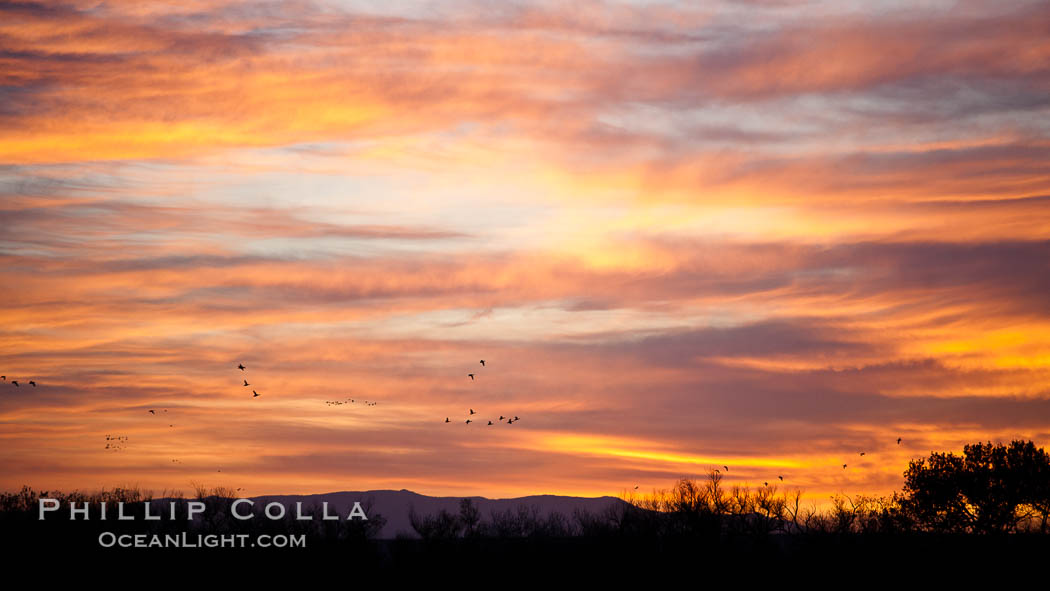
{"type": "Point", "coordinates": [766, 235]}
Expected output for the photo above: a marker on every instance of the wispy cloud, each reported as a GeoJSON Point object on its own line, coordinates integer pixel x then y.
{"type": "Point", "coordinates": [766, 235]}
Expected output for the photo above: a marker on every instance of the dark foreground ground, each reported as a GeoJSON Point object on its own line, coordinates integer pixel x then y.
{"type": "Point", "coordinates": [66, 551]}
{"type": "Point", "coordinates": [697, 534]}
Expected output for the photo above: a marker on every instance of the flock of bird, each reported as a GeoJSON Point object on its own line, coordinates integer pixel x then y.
{"type": "Point", "coordinates": [348, 401]}
{"type": "Point", "coordinates": [154, 412]}
{"type": "Point", "coordinates": [510, 420]}
{"type": "Point", "coordinates": [15, 382]}
{"type": "Point", "coordinates": [781, 476]}
{"type": "Point", "coordinates": [118, 442]}
{"type": "Point", "coordinates": [241, 367]}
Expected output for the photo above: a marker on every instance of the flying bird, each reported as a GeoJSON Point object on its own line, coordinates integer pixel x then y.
{"type": "Point", "coordinates": [482, 363]}
{"type": "Point", "coordinates": [765, 484]}
{"type": "Point", "coordinates": [490, 422]}
{"type": "Point", "coordinates": [898, 441]}
{"type": "Point", "coordinates": [726, 467]}
{"type": "Point", "coordinates": [240, 366]}
{"type": "Point", "coordinates": [781, 478]}
{"type": "Point", "coordinates": [861, 453]}
{"type": "Point", "coordinates": [255, 394]}
{"type": "Point", "coordinates": [32, 383]}
{"type": "Point", "coordinates": [471, 376]}
{"type": "Point", "coordinates": [468, 421]}
{"type": "Point", "coordinates": [15, 382]}
{"type": "Point", "coordinates": [472, 411]}
{"type": "Point", "coordinates": [501, 417]}
{"type": "Point", "coordinates": [246, 383]}
{"type": "Point", "coordinates": [152, 412]}
{"type": "Point", "coordinates": [843, 466]}
{"type": "Point", "coordinates": [447, 421]}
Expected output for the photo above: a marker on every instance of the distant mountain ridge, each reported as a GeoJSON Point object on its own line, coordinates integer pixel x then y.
{"type": "Point", "coordinates": [394, 505]}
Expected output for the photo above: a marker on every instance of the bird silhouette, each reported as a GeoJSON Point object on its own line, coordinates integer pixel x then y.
{"type": "Point", "coordinates": [726, 467]}
{"type": "Point", "coordinates": [843, 466]}
{"type": "Point", "coordinates": [472, 411]}
{"type": "Point", "coordinates": [516, 418]}
{"type": "Point", "coordinates": [152, 412]}
{"type": "Point", "coordinates": [781, 478]}
{"type": "Point", "coordinates": [861, 453]}
{"type": "Point", "coordinates": [255, 394]}
{"type": "Point", "coordinates": [447, 421]}
{"type": "Point", "coordinates": [471, 376]}
{"type": "Point", "coordinates": [765, 484]}
{"type": "Point", "coordinates": [15, 382]}
{"type": "Point", "coordinates": [246, 383]}
{"type": "Point", "coordinates": [240, 366]}
{"type": "Point", "coordinates": [636, 488]}
{"type": "Point", "coordinates": [469, 421]}
{"type": "Point", "coordinates": [32, 383]}
{"type": "Point", "coordinates": [490, 422]}
{"type": "Point", "coordinates": [898, 441]}
{"type": "Point", "coordinates": [482, 363]}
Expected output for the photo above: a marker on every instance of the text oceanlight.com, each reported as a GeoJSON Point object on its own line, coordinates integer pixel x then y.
{"type": "Point", "coordinates": [186, 540]}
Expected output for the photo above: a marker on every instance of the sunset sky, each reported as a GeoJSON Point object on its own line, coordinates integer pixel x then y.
{"type": "Point", "coordinates": [769, 235]}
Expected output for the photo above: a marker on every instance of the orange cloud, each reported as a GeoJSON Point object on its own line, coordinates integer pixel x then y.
{"type": "Point", "coordinates": [679, 240]}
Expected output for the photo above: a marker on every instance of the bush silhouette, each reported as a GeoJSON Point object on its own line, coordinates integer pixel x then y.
{"type": "Point", "coordinates": [989, 489]}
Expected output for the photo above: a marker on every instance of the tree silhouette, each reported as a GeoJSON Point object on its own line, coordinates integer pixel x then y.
{"type": "Point", "coordinates": [989, 489]}
{"type": "Point", "coordinates": [469, 517]}
{"type": "Point", "coordinates": [443, 526]}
